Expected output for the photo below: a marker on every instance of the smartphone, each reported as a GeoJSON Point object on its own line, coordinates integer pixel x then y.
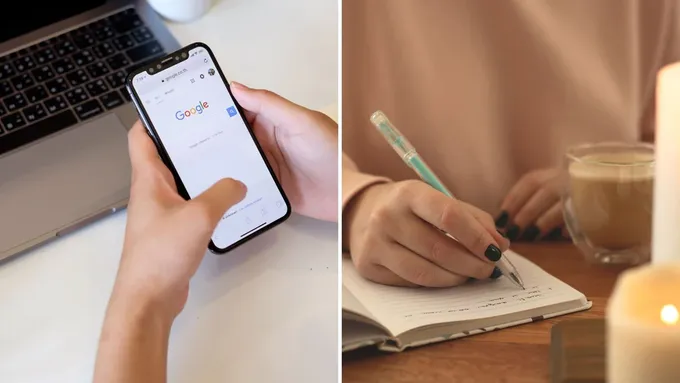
{"type": "Point", "coordinates": [202, 136]}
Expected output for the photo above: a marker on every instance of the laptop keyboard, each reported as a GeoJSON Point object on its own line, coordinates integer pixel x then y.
{"type": "Point", "coordinates": [77, 75]}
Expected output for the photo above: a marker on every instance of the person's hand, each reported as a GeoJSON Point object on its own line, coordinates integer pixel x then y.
{"type": "Point", "coordinates": [533, 209]}
{"type": "Point", "coordinates": [302, 147]}
{"type": "Point", "coordinates": [395, 237]}
{"type": "Point", "coordinates": [165, 239]}
{"type": "Point", "coordinates": [166, 236]}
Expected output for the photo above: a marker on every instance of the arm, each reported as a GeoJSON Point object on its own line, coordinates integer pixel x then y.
{"type": "Point", "coordinates": [134, 343]}
{"type": "Point", "coordinates": [353, 183]}
{"type": "Point", "coordinates": [166, 236]}
{"type": "Point", "coordinates": [165, 241]}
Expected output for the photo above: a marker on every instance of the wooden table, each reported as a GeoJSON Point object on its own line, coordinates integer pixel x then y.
{"type": "Point", "coordinates": [516, 354]}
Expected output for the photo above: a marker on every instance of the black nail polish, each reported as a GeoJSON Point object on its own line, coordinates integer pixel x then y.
{"type": "Point", "coordinates": [513, 232]}
{"type": "Point", "coordinates": [496, 273]}
{"type": "Point", "coordinates": [555, 235]}
{"type": "Point", "coordinates": [502, 220]}
{"type": "Point", "coordinates": [531, 233]}
{"type": "Point", "coordinates": [493, 253]}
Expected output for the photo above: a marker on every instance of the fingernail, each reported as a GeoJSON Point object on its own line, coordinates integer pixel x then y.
{"type": "Point", "coordinates": [512, 232]}
{"type": "Point", "coordinates": [502, 234]}
{"type": "Point", "coordinates": [531, 233]}
{"type": "Point", "coordinates": [493, 253]}
{"type": "Point", "coordinates": [554, 235]}
{"type": "Point", "coordinates": [502, 220]}
{"type": "Point", "coordinates": [496, 273]}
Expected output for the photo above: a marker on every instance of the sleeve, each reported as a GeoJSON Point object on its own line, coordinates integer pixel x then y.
{"type": "Point", "coordinates": [354, 181]}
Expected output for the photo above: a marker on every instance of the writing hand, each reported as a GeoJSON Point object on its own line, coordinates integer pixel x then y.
{"type": "Point", "coordinates": [394, 237]}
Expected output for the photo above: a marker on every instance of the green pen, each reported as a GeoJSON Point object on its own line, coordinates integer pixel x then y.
{"type": "Point", "coordinates": [411, 157]}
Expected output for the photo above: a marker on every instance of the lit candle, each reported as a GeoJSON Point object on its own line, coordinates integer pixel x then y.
{"type": "Point", "coordinates": [643, 326]}
{"type": "Point", "coordinates": [666, 214]}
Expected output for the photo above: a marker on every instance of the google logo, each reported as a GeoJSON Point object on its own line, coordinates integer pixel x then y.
{"type": "Point", "coordinates": [198, 109]}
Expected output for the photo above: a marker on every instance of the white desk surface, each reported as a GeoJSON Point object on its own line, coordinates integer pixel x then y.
{"type": "Point", "coordinates": [266, 312]}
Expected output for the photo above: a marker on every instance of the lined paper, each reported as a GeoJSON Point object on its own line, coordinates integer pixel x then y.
{"type": "Point", "coordinates": [401, 308]}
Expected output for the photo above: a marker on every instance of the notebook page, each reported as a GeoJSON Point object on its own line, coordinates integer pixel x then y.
{"type": "Point", "coordinates": [401, 308]}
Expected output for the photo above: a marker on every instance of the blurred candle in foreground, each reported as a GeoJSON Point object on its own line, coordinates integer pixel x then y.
{"type": "Point", "coordinates": [643, 326]}
{"type": "Point", "coordinates": [666, 214]}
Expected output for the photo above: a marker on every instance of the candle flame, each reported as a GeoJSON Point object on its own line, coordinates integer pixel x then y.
{"type": "Point", "coordinates": [669, 315]}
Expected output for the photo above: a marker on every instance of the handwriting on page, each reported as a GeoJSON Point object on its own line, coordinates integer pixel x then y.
{"type": "Point", "coordinates": [537, 293]}
{"type": "Point", "coordinates": [532, 293]}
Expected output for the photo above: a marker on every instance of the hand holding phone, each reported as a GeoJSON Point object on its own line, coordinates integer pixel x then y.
{"type": "Point", "coordinates": [202, 136]}
{"type": "Point", "coordinates": [163, 228]}
{"type": "Point", "coordinates": [302, 147]}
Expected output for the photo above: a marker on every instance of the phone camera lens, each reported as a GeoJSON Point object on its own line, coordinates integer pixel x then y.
{"type": "Point", "coordinates": [158, 66]}
{"type": "Point", "coordinates": [150, 70]}
{"type": "Point", "coordinates": [184, 55]}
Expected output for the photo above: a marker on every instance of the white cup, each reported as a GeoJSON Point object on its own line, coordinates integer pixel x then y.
{"type": "Point", "coordinates": [181, 11]}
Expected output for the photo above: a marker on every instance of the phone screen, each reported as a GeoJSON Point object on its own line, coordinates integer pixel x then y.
{"type": "Point", "coordinates": [206, 138]}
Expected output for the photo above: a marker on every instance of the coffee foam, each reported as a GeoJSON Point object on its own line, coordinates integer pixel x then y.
{"type": "Point", "coordinates": [628, 166]}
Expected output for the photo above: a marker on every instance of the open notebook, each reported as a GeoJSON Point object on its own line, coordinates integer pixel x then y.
{"type": "Point", "coordinates": [394, 318]}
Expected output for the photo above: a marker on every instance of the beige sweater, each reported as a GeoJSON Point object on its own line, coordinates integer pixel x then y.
{"type": "Point", "coordinates": [488, 90]}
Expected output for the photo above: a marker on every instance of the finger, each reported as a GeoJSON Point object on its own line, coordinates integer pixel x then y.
{"type": "Point", "coordinates": [485, 219]}
{"type": "Point", "coordinates": [265, 103]}
{"type": "Point", "coordinates": [431, 244]}
{"type": "Point", "coordinates": [216, 200]}
{"type": "Point", "coordinates": [148, 171]}
{"type": "Point", "coordinates": [551, 220]}
{"type": "Point", "coordinates": [536, 206]}
{"type": "Point", "coordinates": [419, 271]}
{"type": "Point", "coordinates": [141, 148]}
{"type": "Point", "coordinates": [250, 116]}
{"type": "Point", "coordinates": [522, 191]}
{"type": "Point", "coordinates": [451, 216]}
{"type": "Point", "coordinates": [380, 274]}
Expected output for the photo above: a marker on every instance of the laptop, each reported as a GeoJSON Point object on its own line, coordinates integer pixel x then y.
{"type": "Point", "coordinates": [64, 113]}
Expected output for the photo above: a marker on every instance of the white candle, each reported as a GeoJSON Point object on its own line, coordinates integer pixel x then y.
{"type": "Point", "coordinates": [643, 326]}
{"type": "Point", "coordinates": [666, 214]}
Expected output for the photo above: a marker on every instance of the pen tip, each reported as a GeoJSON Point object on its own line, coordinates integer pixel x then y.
{"type": "Point", "coordinates": [517, 281]}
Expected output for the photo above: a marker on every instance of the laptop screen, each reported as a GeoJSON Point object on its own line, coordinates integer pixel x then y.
{"type": "Point", "coordinates": [44, 13]}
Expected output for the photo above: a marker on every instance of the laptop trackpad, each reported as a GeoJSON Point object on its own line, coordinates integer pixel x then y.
{"type": "Point", "coordinates": [50, 185]}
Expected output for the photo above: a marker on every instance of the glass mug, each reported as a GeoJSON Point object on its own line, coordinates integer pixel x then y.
{"type": "Point", "coordinates": [607, 199]}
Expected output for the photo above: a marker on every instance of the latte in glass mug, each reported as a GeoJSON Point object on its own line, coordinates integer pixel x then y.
{"type": "Point", "coordinates": [611, 198]}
